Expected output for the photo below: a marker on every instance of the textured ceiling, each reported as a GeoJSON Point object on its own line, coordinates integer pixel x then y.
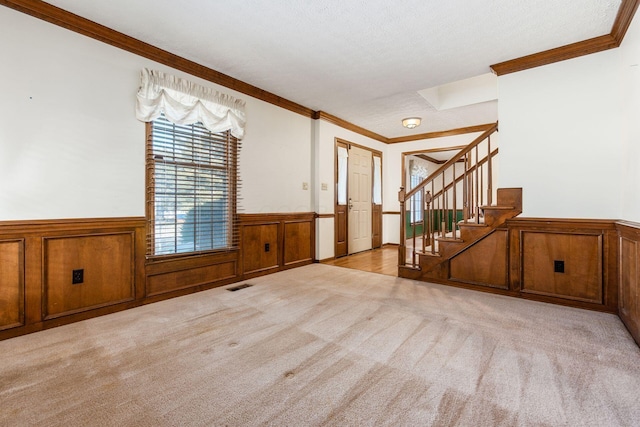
{"type": "Point", "coordinates": [362, 61]}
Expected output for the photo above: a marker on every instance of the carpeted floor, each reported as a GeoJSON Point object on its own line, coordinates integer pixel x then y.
{"type": "Point", "coordinates": [324, 345]}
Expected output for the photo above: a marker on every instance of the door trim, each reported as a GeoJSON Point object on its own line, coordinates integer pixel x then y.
{"type": "Point", "coordinates": [341, 245]}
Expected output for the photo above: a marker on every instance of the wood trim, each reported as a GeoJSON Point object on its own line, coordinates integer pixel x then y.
{"type": "Point", "coordinates": [326, 215]}
{"type": "Point", "coordinates": [629, 226]}
{"type": "Point", "coordinates": [390, 212]}
{"type": "Point", "coordinates": [353, 144]}
{"type": "Point", "coordinates": [38, 225]}
{"type": "Point", "coordinates": [434, 161]}
{"type": "Point", "coordinates": [597, 44]}
{"type": "Point", "coordinates": [625, 15]}
{"type": "Point", "coordinates": [440, 134]}
{"type": "Point", "coordinates": [321, 115]}
{"type": "Point", "coordinates": [558, 54]}
{"type": "Point", "coordinates": [78, 24]}
{"type": "Point", "coordinates": [434, 150]}
{"type": "Point", "coordinates": [275, 218]}
{"type": "Point", "coordinates": [563, 223]}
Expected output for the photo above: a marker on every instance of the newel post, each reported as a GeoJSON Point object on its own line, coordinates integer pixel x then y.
{"type": "Point", "coordinates": [402, 250]}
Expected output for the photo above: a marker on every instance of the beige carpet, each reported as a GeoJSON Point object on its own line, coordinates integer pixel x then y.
{"type": "Point", "coordinates": [323, 345]}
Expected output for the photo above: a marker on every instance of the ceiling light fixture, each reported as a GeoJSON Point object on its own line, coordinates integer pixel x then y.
{"type": "Point", "coordinates": [411, 122]}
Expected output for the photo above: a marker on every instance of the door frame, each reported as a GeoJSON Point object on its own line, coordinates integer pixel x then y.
{"type": "Point", "coordinates": [341, 231]}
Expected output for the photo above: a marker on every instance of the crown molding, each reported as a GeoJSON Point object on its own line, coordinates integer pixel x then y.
{"type": "Point", "coordinates": [597, 44]}
{"type": "Point", "coordinates": [321, 115]}
{"type": "Point", "coordinates": [625, 15]}
{"type": "Point", "coordinates": [78, 24]}
{"type": "Point", "coordinates": [440, 134]}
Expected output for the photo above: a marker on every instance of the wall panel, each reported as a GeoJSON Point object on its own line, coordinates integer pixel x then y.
{"type": "Point", "coordinates": [11, 283]}
{"type": "Point", "coordinates": [567, 261]}
{"type": "Point", "coordinates": [106, 263]}
{"type": "Point", "coordinates": [629, 277]}
{"type": "Point", "coordinates": [578, 256]}
{"type": "Point", "coordinates": [260, 247]}
{"type": "Point", "coordinates": [37, 259]}
{"type": "Point", "coordinates": [290, 239]}
{"type": "Point", "coordinates": [297, 234]}
{"type": "Point", "coordinates": [484, 263]}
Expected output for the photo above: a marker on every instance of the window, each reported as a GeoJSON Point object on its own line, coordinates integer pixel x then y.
{"type": "Point", "coordinates": [191, 188]}
{"type": "Point", "coordinates": [416, 206]}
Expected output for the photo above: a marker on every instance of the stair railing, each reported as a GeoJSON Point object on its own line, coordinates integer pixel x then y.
{"type": "Point", "coordinates": [467, 176]}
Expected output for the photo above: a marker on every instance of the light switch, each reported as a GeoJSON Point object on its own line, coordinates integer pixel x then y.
{"type": "Point", "coordinates": [305, 185]}
{"type": "Point", "coordinates": [324, 186]}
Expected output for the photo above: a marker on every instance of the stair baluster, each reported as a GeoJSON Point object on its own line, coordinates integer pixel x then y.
{"type": "Point", "coordinates": [439, 209]}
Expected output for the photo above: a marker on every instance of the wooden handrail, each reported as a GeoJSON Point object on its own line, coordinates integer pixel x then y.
{"type": "Point", "coordinates": [452, 160]}
{"type": "Point", "coordinates": [471, 169]}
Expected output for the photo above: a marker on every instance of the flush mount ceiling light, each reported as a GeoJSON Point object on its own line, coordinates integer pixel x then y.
{"type": "Point", "coordinates": [411, 122]}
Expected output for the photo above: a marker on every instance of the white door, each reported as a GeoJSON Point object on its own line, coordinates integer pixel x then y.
{"type": "Point", "coordinates": [359, 200]}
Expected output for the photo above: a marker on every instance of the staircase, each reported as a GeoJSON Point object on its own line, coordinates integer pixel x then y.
{"type": "Point", "coordinates": [460, 222]}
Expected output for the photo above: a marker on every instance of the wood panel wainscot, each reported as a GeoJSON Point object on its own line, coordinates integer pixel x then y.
{"type": "Point", "coordinates": [276, 241]}
{"type": "Point", "coordinates": [59, 271]}
{"type": "Point", "coordinates": [571, 262]}
{"type": "Point", "coordinates": [11, 283]}
{"type": "Point", "coordinates": [484, 263]}
{"type": "Point", "coordinates": [629, 276]}
{"type": "Point", "coordinates": [87, 271]}
{"type": "Point", "coordinates": [177, 276]}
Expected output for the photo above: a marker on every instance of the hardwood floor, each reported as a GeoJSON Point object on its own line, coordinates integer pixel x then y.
{"type": "Point", "coordinates": [382, 261]}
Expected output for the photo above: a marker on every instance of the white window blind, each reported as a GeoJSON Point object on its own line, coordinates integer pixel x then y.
{"type": "Point", "coordinates": [377, 180]}
{"type": "Point", "coordinates": [192, 184]}
{"type": "Point", "coordinates": [343, 156]}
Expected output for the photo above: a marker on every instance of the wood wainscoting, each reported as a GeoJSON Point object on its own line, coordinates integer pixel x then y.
{"type": "Point", "coordinates": [54, 272]}
{"type": "Point", "coordinates": [629, 276]}
{"type": "Point", "coordinates": [60, 271]}
{"type": "Point", "coordinates": [567, 261]}
{"type": "Point", "coordinates": [276, 241]}
{"type": "Point", "coordinates": [571, 262]}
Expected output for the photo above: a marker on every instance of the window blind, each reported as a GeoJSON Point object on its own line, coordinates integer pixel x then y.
{"type": "Point", "coordinates": [191, 189]}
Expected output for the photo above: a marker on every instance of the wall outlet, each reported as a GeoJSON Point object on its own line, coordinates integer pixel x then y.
{"type": "Point", "coordinates": [77, 276]}
{"type": "Point", "coordinates": [324, 186]}
{"type": "Point", "coordinates": [267, 247]}
{"type": "Point", "coordinates": [305, 185]}
{"type": "Point", "coordinates": [558, 266]}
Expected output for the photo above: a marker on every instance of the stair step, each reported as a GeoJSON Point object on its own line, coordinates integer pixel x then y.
{"type": "Point", "coordinates": [497, 208]}
{"type": "Point", "coordinates": [428, 253]}
{"type": "Point", "coordinates": [471, 224]}
{"type": "Point", "coordinates": [449, 239]}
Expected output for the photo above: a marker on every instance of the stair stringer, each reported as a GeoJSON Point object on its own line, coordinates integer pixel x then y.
{"type": "Point", "coordinates": [437, 266]}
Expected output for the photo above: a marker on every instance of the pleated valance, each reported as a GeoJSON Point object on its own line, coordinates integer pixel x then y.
{"type": "Point", "coordinates": [184, 103]}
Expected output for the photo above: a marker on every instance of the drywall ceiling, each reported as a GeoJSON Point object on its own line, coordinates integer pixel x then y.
{"type": "Point", "coordinates": [363, 61]}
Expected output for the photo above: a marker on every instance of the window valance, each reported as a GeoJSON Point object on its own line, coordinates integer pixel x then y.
{"type": "Point", "coordinates": [185, 103]}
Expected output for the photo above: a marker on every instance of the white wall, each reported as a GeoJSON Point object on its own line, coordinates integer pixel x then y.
{"type": "Point", "coordinates": [324, 173]}
{"type": "Point", "coordinates": [561, 137]}
{"type": "Point", "coordinates": [70, 146]}
{"type": "Point", "coordinates": [630, 80]}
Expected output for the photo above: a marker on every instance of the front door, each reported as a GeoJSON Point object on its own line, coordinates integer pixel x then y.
{"type": "Point", "coordinates": [359, 199]}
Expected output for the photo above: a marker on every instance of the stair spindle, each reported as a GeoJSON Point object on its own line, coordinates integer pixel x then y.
{"type": "Point", "coordinates": [455, 206]}
{"type": "Point", "coordinates": [432, 237]}
{"type": "Point", "coordinates": [477, 192]}
{"type": "Point", "coordinates": [489, 174]}
{"type": "Point", "coordinates": [402, 254]}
